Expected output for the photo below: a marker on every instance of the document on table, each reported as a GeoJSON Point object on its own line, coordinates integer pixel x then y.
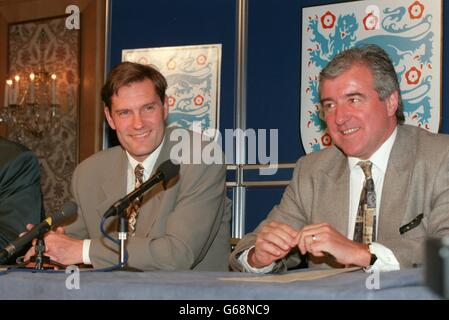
{"type": "Point", "coordinates": [293, 276]}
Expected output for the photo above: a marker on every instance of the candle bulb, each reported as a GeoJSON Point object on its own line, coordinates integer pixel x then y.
{"type": "Point", "coordinates": [6, 97]}
{"type": "Point", "coordinates": [16, 89]}
{"type": "Point", "coordinates": [31, 96]}
{"type": "Point", "coordinates": [53, 89]}
{"type": "Point", "coordinates": [9, 98]}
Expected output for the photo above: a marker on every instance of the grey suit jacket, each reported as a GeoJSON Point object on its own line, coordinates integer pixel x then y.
{"type": "Point", "coordinates": [416, 182]}
{"type": "Point", "coordinates": [187, 226]}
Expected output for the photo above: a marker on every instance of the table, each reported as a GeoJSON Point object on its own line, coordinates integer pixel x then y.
{"type": "Point", "coordinates": [189, 285]}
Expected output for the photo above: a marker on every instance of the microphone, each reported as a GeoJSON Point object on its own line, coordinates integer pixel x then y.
{"type": "Point", "coordinates": [164, 173]}
{"type": "Point", "coordinates": [67, 212]}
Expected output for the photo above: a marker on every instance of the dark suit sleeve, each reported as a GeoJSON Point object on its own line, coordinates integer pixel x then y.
{"type": "Point", "coordinates": [20, 196]}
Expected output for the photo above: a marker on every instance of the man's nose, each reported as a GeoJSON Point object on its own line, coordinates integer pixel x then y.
{"type": "Point", "coordinates": [342, 113]}
{"type": "Point", "coordinates": [137, 121]}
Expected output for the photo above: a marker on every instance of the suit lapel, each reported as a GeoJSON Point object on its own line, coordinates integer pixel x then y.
{"type": "Point", "coordinates": [335, 183]}
{"type": "Point", "coordinates": [165, 150]}
{"type": "Point", "coordinates": [151, 204]}
{"type": "Point", "coordinates": [396, 186]}
{"type": "Point", "coordinates": [114, 184]}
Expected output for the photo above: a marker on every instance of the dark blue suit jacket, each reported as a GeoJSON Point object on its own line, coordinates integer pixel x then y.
{"type": "Point", "coordinates": [20, 192]}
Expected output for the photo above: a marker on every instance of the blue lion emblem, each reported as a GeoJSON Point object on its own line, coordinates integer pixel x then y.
{"type": "Point", "coordinates": [403, 40]}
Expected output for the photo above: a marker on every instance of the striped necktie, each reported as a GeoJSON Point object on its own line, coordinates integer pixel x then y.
{"type": "Point", "coordinates": [365, 225]}
{"type": "Point", "coordinates": [133, 210]}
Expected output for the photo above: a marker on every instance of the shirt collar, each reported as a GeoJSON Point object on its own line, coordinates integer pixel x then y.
{"type": "Point", "coordinates": [380, 157]}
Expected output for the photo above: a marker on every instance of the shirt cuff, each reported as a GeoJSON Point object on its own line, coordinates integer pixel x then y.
{"type": "Point", "coordinates": [243, 259]}
{"type": "Point", "coordinates": [386, 260]}
{"type": "Point", "coordinates": [86, 246]}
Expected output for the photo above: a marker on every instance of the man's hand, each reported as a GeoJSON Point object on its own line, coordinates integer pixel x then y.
{"type": "Point", "coordinates": [273, 242]}
{"type": "Point", "coordinates": [59, 247]}
{"type": "Point", "coordinates": [321, 239]}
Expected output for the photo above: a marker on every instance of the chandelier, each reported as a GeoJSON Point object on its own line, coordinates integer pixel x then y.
{"type": "Point", "coordinates": [30, 104]}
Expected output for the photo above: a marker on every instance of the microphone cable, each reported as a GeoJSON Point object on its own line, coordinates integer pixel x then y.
{"type": "Point", "coordinates": [116, 241]}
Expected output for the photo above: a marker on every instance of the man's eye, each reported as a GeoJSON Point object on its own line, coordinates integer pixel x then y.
{"type": "Point", "coordinates": [148, 108]}
{"type": "Point", "coordinates": [354, 100]}
{"type": "Point", "coordinates": [328, 106]}
{"type": "Point", "coordinates": [123, 113]}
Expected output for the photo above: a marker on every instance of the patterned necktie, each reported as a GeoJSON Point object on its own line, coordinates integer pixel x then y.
{"type": "Point", "coordinates": [133, 210]}
{"type": "Point", "coordinates": [365, 225]}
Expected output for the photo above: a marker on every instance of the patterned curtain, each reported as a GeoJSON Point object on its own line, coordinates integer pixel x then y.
{"type": "Point", "coordinates": [49, 45]}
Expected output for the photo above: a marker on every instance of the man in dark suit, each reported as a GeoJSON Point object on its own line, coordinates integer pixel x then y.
{"type": "Point", "coordinates": [20, 193]}
{"type": "Point", "coordinates": [186, 226]}
{"type": "Point", "coordinates": [323, 212]}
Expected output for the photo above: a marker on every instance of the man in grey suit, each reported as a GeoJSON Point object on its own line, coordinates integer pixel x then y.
{"type": "Point", "coordinates": [186, 226]}
{"type": "Point", "coordinates": [317, 216]}
{"type": "Point", "coordinates": [20, 191]}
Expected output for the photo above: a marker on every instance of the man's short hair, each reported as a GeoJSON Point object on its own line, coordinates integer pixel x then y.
{"type": "Point", "coordinates": [126, 73]}
{"type": "Point", "coordinates": [377, 60]}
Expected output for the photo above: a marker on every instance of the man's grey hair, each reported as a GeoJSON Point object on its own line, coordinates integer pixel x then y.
{"type": "Point", "coordinates": [377, 60]}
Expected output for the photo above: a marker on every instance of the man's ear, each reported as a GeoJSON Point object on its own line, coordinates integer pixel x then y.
{"type": "Point", "coordinates": [107, 113]}
{"type": "Point", "coordinates": [392, 102]}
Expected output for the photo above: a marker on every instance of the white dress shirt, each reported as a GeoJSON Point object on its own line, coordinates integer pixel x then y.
{"type": "Point", "coordinates": [148, 165]}
{"type": "Point", "coordinates": [386, 260]}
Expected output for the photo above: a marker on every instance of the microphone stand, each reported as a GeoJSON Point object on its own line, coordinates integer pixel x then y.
{"type": "Point", "coordinates": [39, 250]}
{"type": "Point", "coordinates": [39, 258]}
{"type": "Point", "coordinates": [122, 236]}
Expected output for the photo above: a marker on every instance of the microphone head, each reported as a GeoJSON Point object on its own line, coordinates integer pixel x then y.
{"type": "Point", "coordinates": [168, 169]}
{"type": "Point", "coordinates": [67, 213]}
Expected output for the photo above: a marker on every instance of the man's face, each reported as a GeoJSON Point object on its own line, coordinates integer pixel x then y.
{"type": "Point", "coordinates": [357, 120]}
{"type": "Point", "coordinates": [138, 115]}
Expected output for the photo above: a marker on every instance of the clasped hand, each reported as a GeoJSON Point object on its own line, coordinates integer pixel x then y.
{"type": "Point", "coordinates": [58, 247]}
{"type": "Point", "coordinates": [276, 239]}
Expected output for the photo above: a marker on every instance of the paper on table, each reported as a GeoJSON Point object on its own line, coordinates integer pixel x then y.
{"type": "Point", "coordinates": [293, 276]}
